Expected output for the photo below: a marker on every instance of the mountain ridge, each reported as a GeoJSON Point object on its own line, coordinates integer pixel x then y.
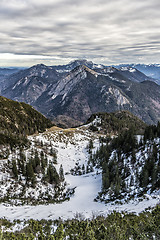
{"type": "Point", "coordinates": [82, 91]}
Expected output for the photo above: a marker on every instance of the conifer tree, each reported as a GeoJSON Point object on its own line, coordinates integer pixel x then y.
{"type": "Point", "coordinates": [59, 234]}
{"type": "Point", "coordinates": [29, 172]}
{"type": "Point", "coordinates": [14, 169]}
{"type": "Point", "coordinates": [61, 173]}
{"type": "Point", "coordinates": [52, 175]}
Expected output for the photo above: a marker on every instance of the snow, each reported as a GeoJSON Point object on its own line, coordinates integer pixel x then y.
{"type": "Point", "coordinates": [71, 147]}
{"type": "Point", "coordinates": [98, 66]}
{"type": "Point", "coordinates": [43, 72]}
{"type": "Point", "coordinates": [132, 70]}
{"type": "Point", "coordinates": [18, 83]}
{"type": "Point", "coordinates": [124, 68]}
{"type": "Point", "coordinates": [87, 187]}
{"type": "Point", "coordinates": [62, 70]}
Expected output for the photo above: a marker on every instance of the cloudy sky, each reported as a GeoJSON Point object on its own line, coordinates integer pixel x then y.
{"type": "Point", "coordinates": [58, 31]}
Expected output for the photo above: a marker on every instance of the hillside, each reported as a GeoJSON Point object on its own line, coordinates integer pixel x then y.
{"type": "Point", "coordinates": [115, 123]}
{"type": "Point", "coordinates": [17, 120]}
{"type": "Point", "coordinates": [130, 166]}
{"type": "Point", "coordinates": [71, 183]}
{"type": "Point", "coordinates": [96, 169]}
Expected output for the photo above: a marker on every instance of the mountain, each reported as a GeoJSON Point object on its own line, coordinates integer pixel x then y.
{"type": "Point", "coordinates": [76, 63]}
{"type": "Point", "coordinates": [82, 91]}
{"type": "Point", "coordinates": [115, 123]}
{"type": "Point", "coordinates": [81, 174]}
{"type": "Point", "coordinates": [17, 120]}
{"type": "Point", "coordinates": [111, 191]}
{"type": "Point", "coordinates": [150, 70]}
{"type": "Point", "coordinates": [8, 71]}
{"type": "Point", "coordinates": [4, 74]}
{"type": "Point", "coordinates": [131, 73]}
{"type": "Point", "coordinates": [31, 83]}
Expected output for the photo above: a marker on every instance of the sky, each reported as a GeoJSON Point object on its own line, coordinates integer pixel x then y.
{"type": "Point", "coordinates": [58, 31]}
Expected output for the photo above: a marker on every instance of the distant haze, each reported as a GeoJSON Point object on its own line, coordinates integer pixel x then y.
{"type": "Point", "coordinates": [57, 31]}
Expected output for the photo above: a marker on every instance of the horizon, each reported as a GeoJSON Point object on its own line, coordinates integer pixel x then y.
{"type": "Point", "coordinates": [66, 63]}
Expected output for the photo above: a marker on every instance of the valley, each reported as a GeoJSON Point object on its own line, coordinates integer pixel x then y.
{"type": "Point", "coordinates": [79, 120]}
{"type": "Point", "coordinates": [92, 160]}
{"type": "Point", "coordinates": [73, 152]}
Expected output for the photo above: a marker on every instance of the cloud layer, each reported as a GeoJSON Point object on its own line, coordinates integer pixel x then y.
{"type": "Point", "coordinates": [57, 31]}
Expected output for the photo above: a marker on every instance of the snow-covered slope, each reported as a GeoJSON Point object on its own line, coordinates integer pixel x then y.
{"type": "Point", "coordinates": [73, 149]}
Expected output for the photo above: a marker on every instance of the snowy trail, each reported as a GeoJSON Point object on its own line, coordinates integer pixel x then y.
{"type": "Point", "coordinates": [87, 187]}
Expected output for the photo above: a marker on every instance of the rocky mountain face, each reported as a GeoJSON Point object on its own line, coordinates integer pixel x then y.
{"type": "Point", "coordinates": [31, 83]}
{"type": "Point", "coordinates": [82, 91]}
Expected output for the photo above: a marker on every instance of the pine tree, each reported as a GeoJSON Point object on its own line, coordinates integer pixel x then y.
{"type": "Point", "coordinates": [61, 173]}
{"type": "Point", "coordinates": [133, 157]}
{"type": "Point", "coordinates": [36, 159]}
{"type": "Point", "coordinates": [145, 178]}
{"type": "Point", "coordinates": [105, 177]}
{"type": "Point", "coordinates": [132, 181]}
{"type": "Point", "coordinates": [1, 235]}
{"type": "Point", "coordinates": [29, 172]}
{"type": "Point", "coordinates": [90, 146]}
{"type": "Point", "coordinates": [83, 169]}
{"type": "Point", "coordinates": [52, 175]}
{"type": "Point", "coordinates": [155, 152]}
{"type": "Point", "coordinates": [59, 234]}
{"type": "Point", "coordinates": [14, 169]}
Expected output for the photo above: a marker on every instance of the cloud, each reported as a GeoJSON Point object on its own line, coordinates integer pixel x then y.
{"type": "Point", "coordinates": [101, 30]}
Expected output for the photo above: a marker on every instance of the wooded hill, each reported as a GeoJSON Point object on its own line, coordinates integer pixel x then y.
{"type": "Point", "coordinates": [116, 122]}
{"type": "Point", "coordinates": [18, 119]}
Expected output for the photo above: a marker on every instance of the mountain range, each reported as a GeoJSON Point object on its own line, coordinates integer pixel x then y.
{"type": "Point", "coordinates": [4, 74]}
{"type": "Point", "coordinates": [150, 70]}
{"type": "Point", "coordinates": [75, 91]}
